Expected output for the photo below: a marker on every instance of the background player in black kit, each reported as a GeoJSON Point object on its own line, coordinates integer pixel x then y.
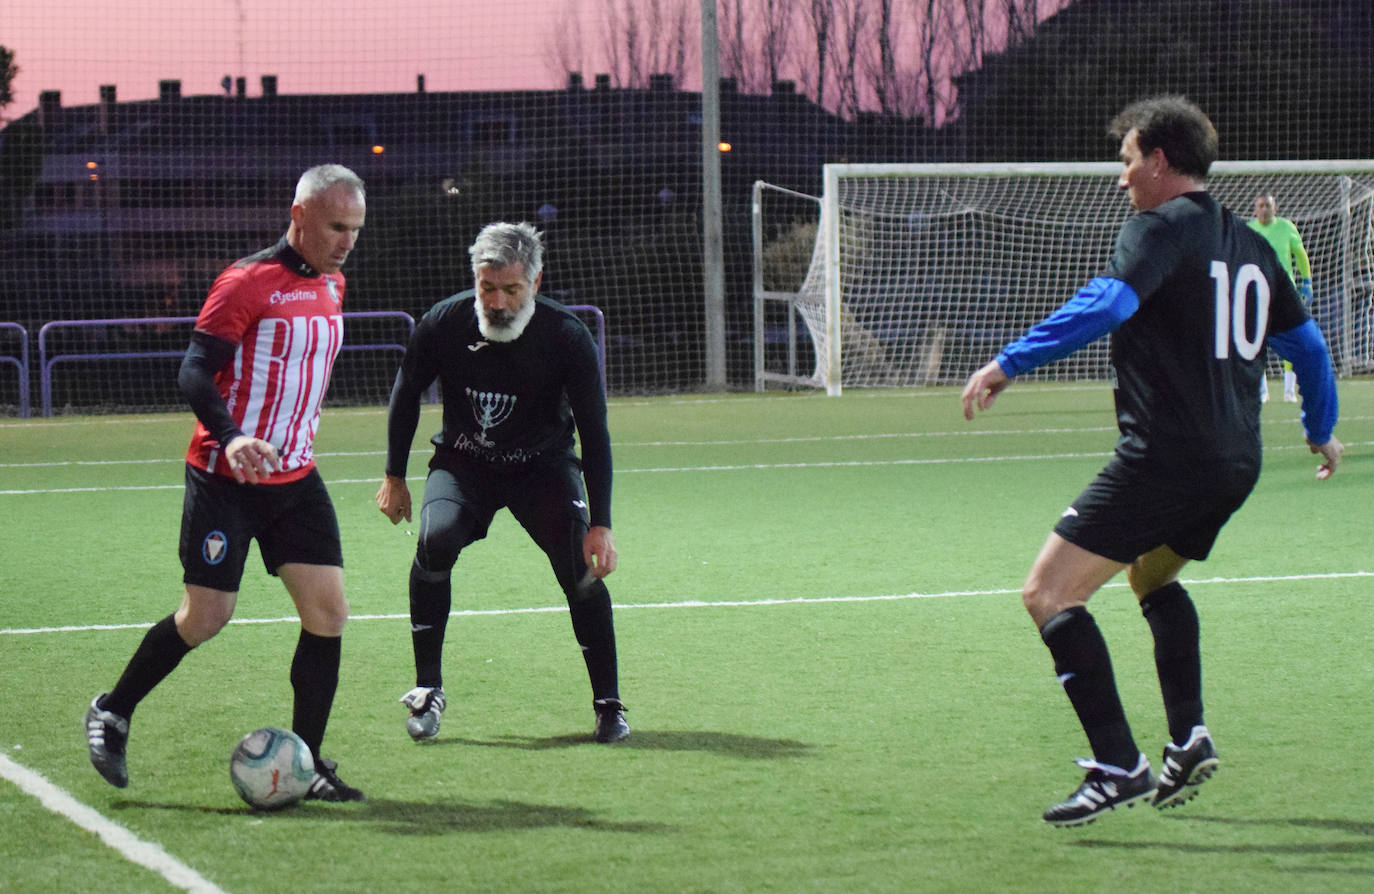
{"type": "Point", "coordinates": [1190, 297]}
{"type": "Point", "coordinates": [517, 372]}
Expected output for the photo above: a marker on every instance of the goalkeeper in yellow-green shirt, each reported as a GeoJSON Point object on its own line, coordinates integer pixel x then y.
{"type": "Point", "coordinates": [1283, 235]}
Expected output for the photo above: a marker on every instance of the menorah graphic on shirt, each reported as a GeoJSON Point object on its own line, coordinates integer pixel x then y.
{"type": "Point", "coordinates": [490, 409]}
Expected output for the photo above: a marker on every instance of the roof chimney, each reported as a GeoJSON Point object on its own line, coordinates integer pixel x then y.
{"type": "Point", "coordinates": [419, 83]}
{"type": "Point", "coordinates": [169, 90]}
{"type": "Point", "coordinates": [107, 103]}
{"type": "Point", "coordinates": [574, 81]}
{"type": "Point", "coordinates": [603, 82]}
{"type": "Point", "coordinates": [269, 85]}
{"type": "Point", "coordinates": [240, 86]}
{"type": "Point", "coordinates": [50, 108]}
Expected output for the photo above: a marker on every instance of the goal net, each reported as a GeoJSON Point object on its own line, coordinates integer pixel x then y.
{"type": "Point", "coordinates": [920, 273]}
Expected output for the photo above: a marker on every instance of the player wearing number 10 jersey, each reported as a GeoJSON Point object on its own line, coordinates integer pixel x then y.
{"type": "Point", "coordinates": [1190, 297]}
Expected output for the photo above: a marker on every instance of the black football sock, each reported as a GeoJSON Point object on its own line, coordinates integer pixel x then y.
{"type": "Point", "coordinates": [314, 679]}
{"type": "Point", "coordinates": [594, 628]}
{"type": "Point", "coordinates": [1084, 668]}
{"type": "Point", "coordinates": [155, 658]}
{"type": "Point", "coordinates": [431, 597]}
{"type": "Point", "coordinates": [1178, 659]}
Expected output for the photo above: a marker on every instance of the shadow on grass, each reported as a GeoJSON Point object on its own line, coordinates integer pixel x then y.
{"type": "Point", "coordinates": [729, 744]}
{"type": "Point", "coordinates": [1357, 846]}
{"type": "Point", "coordinates": [422, 818]}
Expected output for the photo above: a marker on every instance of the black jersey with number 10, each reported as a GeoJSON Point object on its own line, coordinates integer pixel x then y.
{"type": "Point", "coordinates": [1187, 364]}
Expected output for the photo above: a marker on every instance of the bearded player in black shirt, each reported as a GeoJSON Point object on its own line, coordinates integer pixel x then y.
{"type": "Point", "coordinates": [1191, 297]}
{"type": "Point", "coordinates": [517, 371]}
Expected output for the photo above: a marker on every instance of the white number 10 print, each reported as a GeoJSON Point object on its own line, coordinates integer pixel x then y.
{"type": "Point", "coordinates": [1231, 310]}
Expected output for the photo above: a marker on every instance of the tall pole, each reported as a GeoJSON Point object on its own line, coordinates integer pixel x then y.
{"type": "Point", "coordinates": [712, 235]}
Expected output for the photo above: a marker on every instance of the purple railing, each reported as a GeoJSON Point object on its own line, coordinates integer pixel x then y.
{"type": "Point", "coordinates": [22, 361]}
{"type": "Point", "coordinates": [600, 336]}
{"type": "Point", "coordinates": [46, 362]}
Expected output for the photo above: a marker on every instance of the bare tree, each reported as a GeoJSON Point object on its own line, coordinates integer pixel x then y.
{"type": "Point", "coordinates": [7, 72]}
{"type": "Point", "coordinates": [733, 49]}
{"type": "Point", "coordinates": [884, 73]}
{"type": "Point", "coordinates": [777, 25]}
{"type": "Point", "coordinates": [646, 37]}
{"type": "Point", "coordinates": [819, 21]}
{"type": "Point", "coordinates": [565, 53]}
{"type": "Point", "coordinates": [852, 17]}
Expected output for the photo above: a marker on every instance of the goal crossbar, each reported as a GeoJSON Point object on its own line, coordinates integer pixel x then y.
{"type": "Point", "coordinates": [921, 271]}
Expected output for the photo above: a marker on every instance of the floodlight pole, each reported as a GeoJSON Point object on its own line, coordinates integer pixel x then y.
{"type": "Point", "coordinates": [712, 236]}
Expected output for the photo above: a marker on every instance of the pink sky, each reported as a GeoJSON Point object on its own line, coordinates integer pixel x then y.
{"type": "Point", "coordinates": [341, 46]}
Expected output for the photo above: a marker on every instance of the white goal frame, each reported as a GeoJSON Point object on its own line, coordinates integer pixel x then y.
{"type": "Point", "coordinates": [1356, 273]}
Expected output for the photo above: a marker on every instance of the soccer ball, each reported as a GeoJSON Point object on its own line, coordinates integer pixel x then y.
{"type": "Point", "coordinates": [271, 768]}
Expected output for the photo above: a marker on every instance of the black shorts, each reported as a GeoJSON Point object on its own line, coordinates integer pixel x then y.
{"type": "Point", "coordinates": [1127, 511]}
{"type": "Point", "coordinates": [548, 498]}
{"type": "Point", "coordinates": [292, 522]}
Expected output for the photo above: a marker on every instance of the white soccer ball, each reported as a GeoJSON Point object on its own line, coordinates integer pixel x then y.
{"type": "Point", "coordinates": [271, 768]}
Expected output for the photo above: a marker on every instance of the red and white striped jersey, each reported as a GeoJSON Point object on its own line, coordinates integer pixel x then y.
{"type": "Point", "coordinates": [287, 321]}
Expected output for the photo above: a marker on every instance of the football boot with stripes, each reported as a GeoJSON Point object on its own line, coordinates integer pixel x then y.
{"type": "Point", "coordinates": [1185, 768]}
{"type": "Point", "coordinates": [610, 721]}
{"type": "Point", "coordinates": [1104, 788]}
{"type": "Point", "coordinates": [327, 786]}
{"type": "Point", "coordinates": [107, 737]}
{"type": "Point", "coordinates": [426, 704]}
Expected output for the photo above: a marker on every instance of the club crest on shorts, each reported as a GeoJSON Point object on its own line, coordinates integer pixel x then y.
{"type": "Point", "coordinates": [213, 548]}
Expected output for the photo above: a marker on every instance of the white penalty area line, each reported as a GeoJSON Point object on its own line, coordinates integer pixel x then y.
{"type": "Point", "coordinates": [702, 603]}
{"type": "Point", "coordinates": [128, 845]}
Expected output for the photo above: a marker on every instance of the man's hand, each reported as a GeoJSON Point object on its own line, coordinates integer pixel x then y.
{"type": "Point", "coordinates": [393, 499]}
{"type": "Point", "coordinates": [983, 387]}
{"type": "Point", "coordinates": [1331, 452]}
{"type": "Point", "coordinates": [251, 460]}
{"type": "Point", "coordinates": [1305, 291]}
{"type": "Point", "coordinates": [598, 551]}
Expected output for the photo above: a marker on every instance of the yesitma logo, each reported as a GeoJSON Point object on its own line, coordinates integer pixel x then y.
{"type": "Point", "coordinates": [280, 297]}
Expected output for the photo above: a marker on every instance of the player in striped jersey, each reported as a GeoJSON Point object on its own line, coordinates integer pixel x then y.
{"type": "Point", "coordinates": [1190, 297]}
{"type": "Point", "coordinates": [255, 374]}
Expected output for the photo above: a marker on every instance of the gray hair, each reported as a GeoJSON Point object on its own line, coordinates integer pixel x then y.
{"type": "Point", "coordinates": [500, 245]}
{"type": "Point", "coordinates": [320, 178]}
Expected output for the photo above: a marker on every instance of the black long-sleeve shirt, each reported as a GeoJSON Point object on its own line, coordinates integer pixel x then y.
{"type": "Point", "coordinates": [506, 404]}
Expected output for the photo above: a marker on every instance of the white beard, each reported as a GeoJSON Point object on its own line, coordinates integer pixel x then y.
{"type": "Point", "coordinates": [511, 330]}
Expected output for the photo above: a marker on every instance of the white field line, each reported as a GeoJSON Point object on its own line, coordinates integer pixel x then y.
{"type": "Point", "coordinates": [693, 603]}
{"type": "Point", "coordinates": [918, 394]}
{"type": "Point", "coordinates": [128, 845]}
{"type": "Point", "coordinates": [941, 460]}
{"type": "Point", "coordinates": [729, 467]}
{"type": "Point", "coordinates": [722, 442]}
{"type": "Point", "coordinates": [946, 394]}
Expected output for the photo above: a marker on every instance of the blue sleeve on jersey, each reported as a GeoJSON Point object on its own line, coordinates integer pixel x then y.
{"type": "Point", "coordinates": [1099, 307]}
{"type": "Point", "coordinates": [1305, 348]}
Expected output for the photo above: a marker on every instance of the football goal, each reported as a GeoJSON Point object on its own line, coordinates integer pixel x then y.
{"type": "Point", "coordinates": [916, 274]}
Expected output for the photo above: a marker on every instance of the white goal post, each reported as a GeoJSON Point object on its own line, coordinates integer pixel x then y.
{"type": "Point", "coordinates": [919, 273]}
